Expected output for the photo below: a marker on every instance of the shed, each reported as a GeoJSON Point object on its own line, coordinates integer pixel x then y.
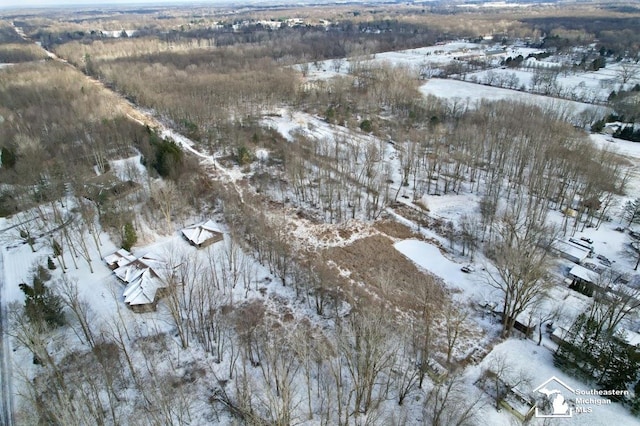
{"type": "Point", "coordinates": [559, 335]}
{"type": "Point", "coordinates": [520, 405]}
{"type": "Point", "coordinates": [583, 274]}
{"type": "Point", "coordinates": [584, 280]}
{"type": "Point", "coordinates": [572, 252]}
{"type": "Point", "coordinates": [203, 234]}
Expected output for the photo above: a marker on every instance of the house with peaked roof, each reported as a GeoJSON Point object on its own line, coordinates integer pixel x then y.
{"type": "Point", "coordinates": [119, 258]}
{"type": "Point", "coordinates": [144, 284]}
{"type": "Point", "coordinates": [203, 234]}
{"type": "Point", "coordinates": [584, 280]}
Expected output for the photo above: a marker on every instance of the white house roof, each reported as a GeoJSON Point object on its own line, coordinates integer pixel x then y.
{"type": "Point", "coordinates": [560, 333]}
{"type": "Point", "coordinates": [141, 275]}
{"type": "Point", "coordinates": [572, 250]}
{"type": "Point", "coordinates": [120, 258]}
{"type": "Point", "coordinates": [631, 337]}
{"type": "Point", "coordinates": [143, 290]}
{"type": "Point", "coordinates": [149, 261]}
{"type": "Point", "coordinates": [129, 272]}
{"type": "Point", "coordinates": [584, 274]}
{"type": "Point", "coordinates": [199, 234]}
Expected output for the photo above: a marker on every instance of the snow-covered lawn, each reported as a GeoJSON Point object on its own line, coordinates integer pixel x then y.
{"type": "Point", "coordinates": [428, 257]}
{"type": "Point", "coordinates": [288, 124]}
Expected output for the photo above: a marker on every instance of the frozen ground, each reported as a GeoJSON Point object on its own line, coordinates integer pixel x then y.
{"type": "Point", "coordinates": [593, 86]}
{"type": "Point", "coordinates": [466, 94]}
{"type": "Point", "coordinates": [436, 56]}
{"type": "Point", "coordinates": [429, 258]}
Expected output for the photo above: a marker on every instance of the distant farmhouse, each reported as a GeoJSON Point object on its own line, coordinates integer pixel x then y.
{"type": "Point", "coordinates": [203, 234]}
{"type": "Point", "coordinates": [143, 279]}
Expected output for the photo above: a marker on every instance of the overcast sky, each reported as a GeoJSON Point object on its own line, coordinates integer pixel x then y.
{"type": "Point", "coordinates": [53, 3]}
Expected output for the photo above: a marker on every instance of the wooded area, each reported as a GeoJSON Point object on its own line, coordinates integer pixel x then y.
{"type": "Point", "coordinates": [351, 325]}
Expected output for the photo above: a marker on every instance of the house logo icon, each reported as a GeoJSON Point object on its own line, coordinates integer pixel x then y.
{"type": "Point", "coordinates": [554, 398]}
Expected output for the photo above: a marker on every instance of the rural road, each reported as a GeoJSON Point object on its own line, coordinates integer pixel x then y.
{"type": "Point", "coordinates": [6, 402]}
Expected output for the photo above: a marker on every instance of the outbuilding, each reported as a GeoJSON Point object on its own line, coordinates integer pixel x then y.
{"type": "Point", "coordinates": [203, 234]}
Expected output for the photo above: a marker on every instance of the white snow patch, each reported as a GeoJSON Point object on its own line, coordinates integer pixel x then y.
{"type": "Point", "coordinates": [262, 154]}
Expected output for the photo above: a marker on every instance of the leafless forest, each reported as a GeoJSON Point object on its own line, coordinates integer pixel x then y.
{"type": "Point", "coordinates": [362, 335]}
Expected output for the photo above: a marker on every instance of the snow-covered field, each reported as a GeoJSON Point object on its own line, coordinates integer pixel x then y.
{"type": "Point", "coordinates": [593, 86]}
{"type": "Point", "coordinates": [588, 86]}
{"type": "Point", "coordinates": [469, 95]}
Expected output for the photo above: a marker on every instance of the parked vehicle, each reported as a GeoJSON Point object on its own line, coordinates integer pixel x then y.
{"type": "Point", "coordinates": [582, 244]}
{"type": "Point", "coordinates": [467, 269]}
{"type": "Point", "coordinates": [603, 260]}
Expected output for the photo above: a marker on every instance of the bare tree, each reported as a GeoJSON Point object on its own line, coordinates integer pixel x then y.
{"type": "Point", "coordinates": [521, 259]}
{"type": "Point", "coordinates": [337, 64]}
{"type": "Point", "coordinates": [176, 276]}
{"type": "Point", "coordinates": [279, 366]}
{"type": "Point", "coordinates": [613, 302]}
{"type": "Point", "coordinates": [429, 297]}
{"type": "Point", "coordinates": [67, 288]}
{"type": "Point", "coordinates": [500, 377]}
{"type": "Point", "coordinates": [406, 374]}
{"type": "Point", "coordinates": [627, 71]}
{"type": "Point", "coordinates": [367, 353]}
{"type": "Point", "coordinates": [451, 403]}
{"type": "Point", "coordinates": [454, 318]}
{"type": "Point", "coordinates": [166, 198]}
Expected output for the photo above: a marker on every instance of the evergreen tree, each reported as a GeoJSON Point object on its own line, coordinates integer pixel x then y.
{"type": "Point", "coordinates": [618, 364]}
{"type": "Point", "coordinates": [50, 263]}
{"type": "Point", "coordinates": [169, 158]}
{"type": "Point", "coordinates": [42, 305]}
{"type": "Point", "coordinates": [8, 158]}
{"type": "Point", "coordinates": [595, 354]}
{"type": "Point", "coordinates": [129, 236]}
{"type": "Point", "coordinates": [243, 156]}
{"type": "Point", "coordinates": [635, 404]}
{"type": "Point", "coordinates": [366, 126]}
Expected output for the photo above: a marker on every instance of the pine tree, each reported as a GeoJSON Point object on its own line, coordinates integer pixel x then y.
{"type": "Point", "coordinates": [42, 305]}
{"type": "Point", "coordinates": [50, 263]}
{"type": "Point", "coordinates": [129, 237]}
{"type": "Point", "coordinates": [7, 158]}
{"type": "Point", "coordinates": [593, 353]}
